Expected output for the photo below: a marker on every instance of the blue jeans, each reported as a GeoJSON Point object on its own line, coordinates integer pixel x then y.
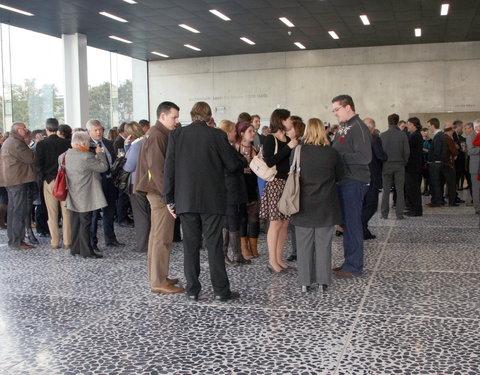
{"type": "Point", "coordinates": [351, 194]}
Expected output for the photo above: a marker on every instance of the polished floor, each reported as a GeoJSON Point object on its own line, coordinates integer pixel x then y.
{"type": "Point", "coordinates": [416, 310]}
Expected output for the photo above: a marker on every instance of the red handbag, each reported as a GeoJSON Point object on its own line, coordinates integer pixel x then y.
{"type": "Point", "coordinates": [60, 190]}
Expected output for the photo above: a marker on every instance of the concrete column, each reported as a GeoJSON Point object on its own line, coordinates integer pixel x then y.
{"type": "Point", "coordinates": [76, 79]}
{"type": "Point", "coordinates": [140, 90]}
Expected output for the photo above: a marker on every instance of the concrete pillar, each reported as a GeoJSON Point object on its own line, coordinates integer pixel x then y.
{"type": "Point", "coordinates": [76, 79]}
{"type": "Point", "coordinates": [140, 90]}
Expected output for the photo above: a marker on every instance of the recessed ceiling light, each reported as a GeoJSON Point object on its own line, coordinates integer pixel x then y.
{"type": "Point", "coordinates": [365, 19]}
{"type": "Point", "coordinates": [300, 45]}
{"type": "Point", "coordinates": [246, 40]}
{"type": "Point", "coordinates": [418, 32]}
{"type": "Point", "coordinates": [159, 54]}
{"type": "Point", "coordinates": [16, 10]}
{"type": "Point", "coordinates": [333, 34]}
{"type": "Point", "coordinates": [113, 16]}
{"type": "Point", "coordinates": [444, 9]}
{"type": "Point", "coordinates": [219, 14]}
{"type": "Point", "coordinates": [192, 47]}
{"type": "Point", "coordinates": [189, 28]}
{"type": "Point", "coordinates": [130, 1]}
{"type": "Point", "coordinates": [286, 21]}
{"type": "Point", "coordinates": [120, 39]}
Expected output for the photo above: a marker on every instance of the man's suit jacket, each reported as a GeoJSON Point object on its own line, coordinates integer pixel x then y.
{"type": "Point", "coordinates": [415, 163]}
{"type": "Point", "coordinates": [106, 143]}
{"type": "Point", "coordinates": [118, 143]}
{"type": "Point", "coordinates": [474, 154]}
{"type": "Point", "coordinates": [196, 161]}
{"type": "Point", "coordinates": [378, 157]}
{"type": "Point", "coordinates": [48, 152]}
{"type": "Point", "coordinates": [439, 150]}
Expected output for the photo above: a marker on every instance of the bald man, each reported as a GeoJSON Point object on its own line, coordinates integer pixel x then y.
{"type": "Point", "coordinates": [370, 202]}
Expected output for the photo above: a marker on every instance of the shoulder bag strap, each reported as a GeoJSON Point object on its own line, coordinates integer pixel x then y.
{"type": "Point", "coordinates": [276, 145]}
{"type": "Point", "coordinates": [297, 154]}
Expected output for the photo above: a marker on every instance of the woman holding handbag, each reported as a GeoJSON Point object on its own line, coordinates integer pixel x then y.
{"type": "Point", "coordinates": [276, 152]}
{"type": "Point", "coordinates": [321, 168]}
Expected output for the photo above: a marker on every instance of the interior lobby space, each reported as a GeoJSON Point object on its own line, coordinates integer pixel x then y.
{"type": "Point", "coordinates": [414, 311]}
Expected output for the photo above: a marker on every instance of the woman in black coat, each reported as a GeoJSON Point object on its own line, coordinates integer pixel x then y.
{"type": "Point", "coordinates": [321, 168]}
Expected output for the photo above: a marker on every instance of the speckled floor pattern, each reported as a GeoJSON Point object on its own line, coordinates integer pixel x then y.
{"type": "Point", "coordinates": [416, 310]}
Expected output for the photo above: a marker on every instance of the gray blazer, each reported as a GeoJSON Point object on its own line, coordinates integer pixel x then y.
{"type": "Point", "coordinates": [474, 153]}
{"type": "Point", "coordinates": [84, 181]}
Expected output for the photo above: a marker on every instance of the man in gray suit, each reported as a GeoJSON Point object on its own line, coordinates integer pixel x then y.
{"type": "Point", "coordinates": [395, 144]}
{"type": "Point", "coordinates": [471, 131]}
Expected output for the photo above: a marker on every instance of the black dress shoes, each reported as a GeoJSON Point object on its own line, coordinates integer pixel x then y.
{"type": "Point", "coordinates": [292, 258]}
{"type": "Point", "coordinates": [369, 236]}
{"type": "Point", "coordinates": [115, 244]}
{"type": "Point", "coordinates": [126, 224]}
{"type": "Point", "coordinates": [192, 297]}
{"type": "Point", "coordinates": [229, 297]}
{"type": "Point", "coordinates": [93, 255]}
{"type": "Point", "coordinates": [411, 213]}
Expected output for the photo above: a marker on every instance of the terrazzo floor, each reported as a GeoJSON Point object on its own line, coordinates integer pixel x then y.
{"type": "Point", "coordinates": [416, 310]}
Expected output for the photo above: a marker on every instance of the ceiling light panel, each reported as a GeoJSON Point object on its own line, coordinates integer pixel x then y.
{"type": "Point", "coordinates": [333, 34]}
{"type": "Point", "coordinates": [120, 39]}
{"type": "Point", "coordinates": [444, 9]}
{"type": "Point", "coordinates": [246, 40]}
{"type": "Point", "coordinates": [219, 14]}
{"type": "Point", "coordinates": [192, 47]}
{"type": "Point", "coordinates": [418, 32]}
{"type": "Point", "coordinates": [189, 28]}
{"type": "Point", "coordinates": [130, 1]}
{"type": "Point", "coordinates": [365, 19]}
{"type": "Point", "coordinates": [159, 54]}
{"type": "Point", "coordinates": [16, 10]}
{"type": "Point", "coordinates": [113, 16]}
{"type": "Point", "coordinates": [300, 45]}
{"type": "Point", "coordinates": [286, 21]}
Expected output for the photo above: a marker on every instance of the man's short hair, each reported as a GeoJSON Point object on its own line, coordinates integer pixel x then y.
{"type": "Point", "coordinates": [121, 127]}
{"type": "Point", "coordinates": [476, 123]}
{"type": "Point", "coordinates": [435, 122]}
{"type": "Point", "coordinates": [457, 123]}
{"type": "Point", "coordinates": [415, 121]}
{"type": "Point", "coordinates": [469, 125]}
{"type": "Point", "coordinates": [51, 124]}
{"type": "Point", "coordinates": [80, 139]}
{"type": "Point", "coordinates": [370, 122]}
{"type": "Point", "coordinates": [144, 123]}
{"type": "Point", "coordinates": [344, 101]}
{"type": "Point", "coordinates": [16, 126]}
{"type": "Point", "coordinates": [165, 107]}
{"type": "Point", "coordinates": [393, 119]}
{"type": "Point", "coordinates": [92, 123]}
{"type": "Point", "coordinates": [201, 111]}
{"type": "Point", "coordinates": [244, 117]}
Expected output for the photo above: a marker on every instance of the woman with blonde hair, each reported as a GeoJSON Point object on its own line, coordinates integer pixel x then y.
{"type": "Point", "coordinates": [321, 168]}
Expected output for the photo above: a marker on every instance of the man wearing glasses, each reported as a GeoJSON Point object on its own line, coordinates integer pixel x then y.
{"type": "Point", "coordinates": [353, 142]}
{"type": "Point", "coordinates": [17, 168]}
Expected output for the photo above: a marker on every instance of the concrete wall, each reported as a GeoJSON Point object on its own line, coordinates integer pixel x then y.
{"type": "Point", "coordinates": [422, 78]}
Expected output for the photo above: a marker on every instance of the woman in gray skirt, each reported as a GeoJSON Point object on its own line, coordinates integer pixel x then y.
{"type": "Point", "coordinates": [321, 168]}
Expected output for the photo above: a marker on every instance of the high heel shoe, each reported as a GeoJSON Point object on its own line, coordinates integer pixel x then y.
{"type": "Point", "coordinates": [289, 268]}
{"type": "Point", "coordinates": [324, 287]}
{"type": "Point", "coordinates": [272, 270]}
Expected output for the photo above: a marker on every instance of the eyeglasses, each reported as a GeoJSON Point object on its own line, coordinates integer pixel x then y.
{"type": "Point", "coordinates": [335, 110]}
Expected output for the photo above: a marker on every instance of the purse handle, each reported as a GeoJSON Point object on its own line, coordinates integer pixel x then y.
{"type": "Point", "coordinates": [260, 152]}
{"type": "Point", "coordinates": [296, 160]}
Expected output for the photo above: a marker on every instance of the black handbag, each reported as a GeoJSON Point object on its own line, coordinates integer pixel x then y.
{"type": "Point", "coordinates": [121, 178]}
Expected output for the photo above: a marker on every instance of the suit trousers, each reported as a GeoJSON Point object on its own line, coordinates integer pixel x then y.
{"type": "Point", "coordinates": [108, 215]}
{"type": "Point", "coordinates": [314, 255]}
{"type": "Point", "coordinates": [435, 170]}
{"type": "Point", "coordinates": [141, 216]}
{"type": "Point", "coordinates": [193, 225]}
{"type": "Point", "coordinates": [475, 192]}
{"type": "Point", "coordinates": [17, 211]}
{"type": "Point", "coordinates": [370, 206]}
{"type": "Point", "coordinates": [123, 203]}
{"type": "Point", "coordinates": [413, 191]}
{"type": "Point", "coordinates": [80, 224]}
{"type": "Point", "coordinates": [159, 242]}
{"type": "Point", "coordinates": [393, 173]}
{"type": "Point", "coordinates": [52, 208]}
{"type": "Point", "coordinates": [351, 194]}
{"type": "Point", "coordinates": [448, 174]}
{"type": "Point", "coordinates": [41, 214]}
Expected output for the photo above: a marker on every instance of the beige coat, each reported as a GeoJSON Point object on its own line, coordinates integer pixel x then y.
{"type": "Point", "coordinates": [84, 181]}
{"type": "Point", "coordinates": [17, 162]}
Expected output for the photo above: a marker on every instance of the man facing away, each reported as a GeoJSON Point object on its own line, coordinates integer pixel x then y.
{"type": "Point", "coordinates": [194, 188]}
{"type": "Point", "coordinates": [395, 144]}
{"type": "Point", "coordinates": [413, 169]}
{"type": "Point", "coordinates": [149, 180]}
{"type": "Point", "coordinates": [17, 169]}
{"type": "Point", "coordinates": [370, 202]}
{"type": "Point", "coordinates": [48, 152]}
{"type": "Point", "coordinates": [353, 142]}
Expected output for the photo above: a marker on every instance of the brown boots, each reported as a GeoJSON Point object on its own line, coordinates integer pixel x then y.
{"type": "Point", "coordinates": [249, 247]}
{"type": "Point", "coordinates": [242, 248]}
{"type": "Point", "coordinates": [253, 247]}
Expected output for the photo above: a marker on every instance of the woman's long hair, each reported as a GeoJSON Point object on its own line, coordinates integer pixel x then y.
{"type": "Point", "coordinates": [315, 133]}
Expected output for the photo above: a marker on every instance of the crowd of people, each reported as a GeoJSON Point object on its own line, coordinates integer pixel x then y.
{"type": "Point", "coordinates": [199, 176]}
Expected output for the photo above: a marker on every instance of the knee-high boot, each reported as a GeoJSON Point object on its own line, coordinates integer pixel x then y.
{"type": "Point", "coordinates": [3, 212]}
{"type": "Point", "coordinates": [236, 246]}
{"type": "Point", "coordinates": [253, 247]}
{"type": "Point", "coordinates": [226, 242]}
{"type": "Point", "coordinates": [246, 252]}
{"type": "Point", "coordinates": [30, 237]}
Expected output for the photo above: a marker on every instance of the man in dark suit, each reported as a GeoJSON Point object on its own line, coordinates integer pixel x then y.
{"type": "Point", "coordinates": [48, 152]}
{"type": "Point", "coordinates": [95, 130]}
{"type": "Point", "coordinates": [370, 201]}
{"type": "Point", "coordinates": [413, 169]}
{"type": "Point", "coordinates": [436, 155]}
{"type": "Point", "coordinates": [123, 202]}
{"type": "Point", "coordinates": [194, 188]}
